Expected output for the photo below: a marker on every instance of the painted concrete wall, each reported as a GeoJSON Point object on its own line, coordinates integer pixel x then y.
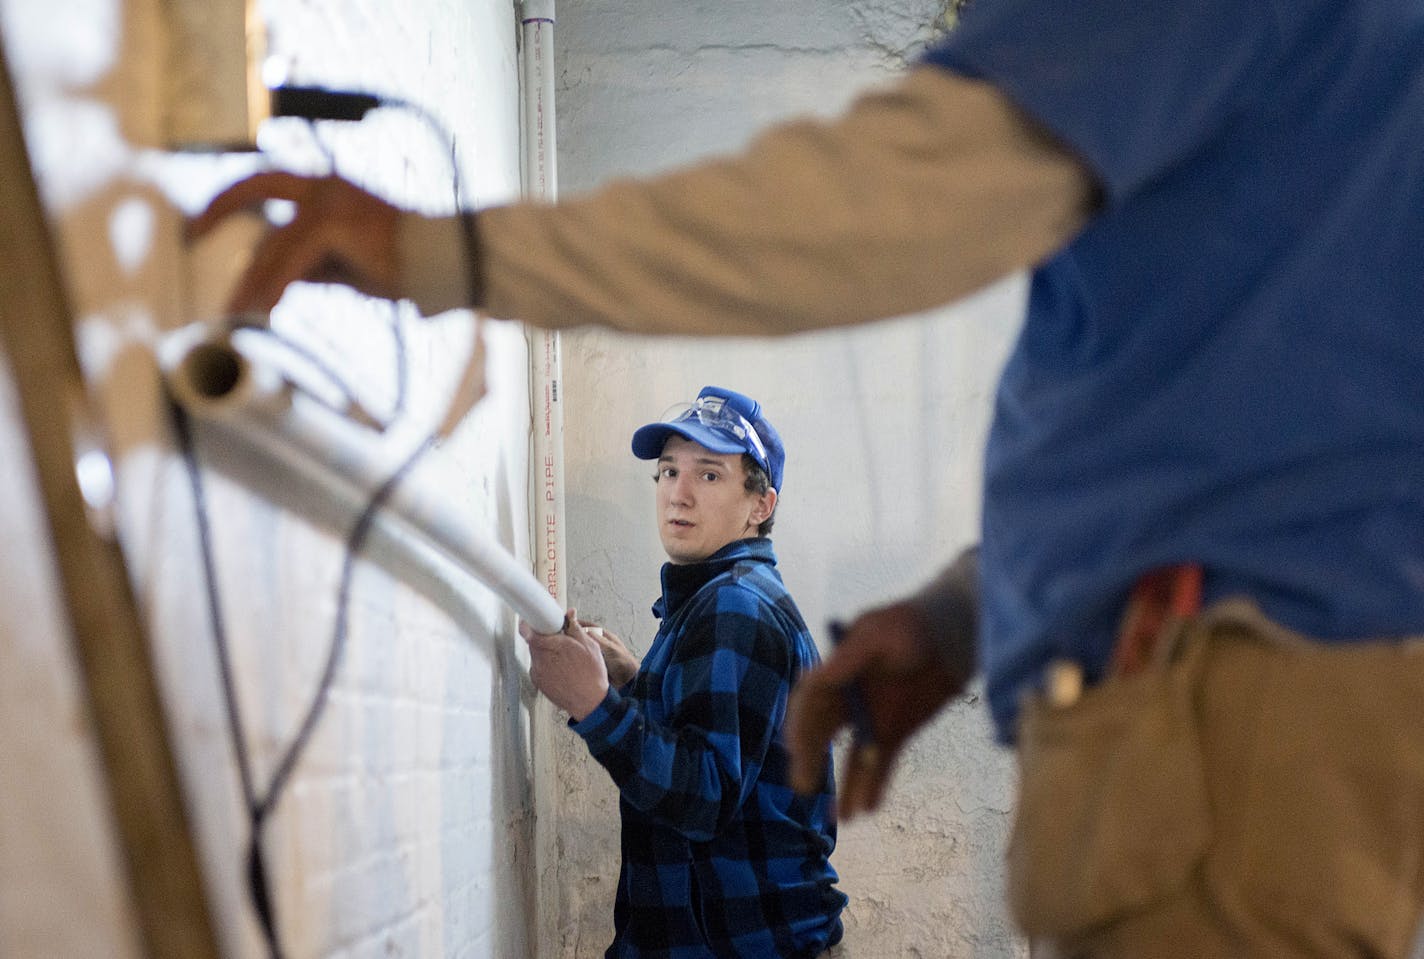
{"type": "Point", "coordinates": [407, 829]}
{"type": "Point", "coordinates": [884, 427]}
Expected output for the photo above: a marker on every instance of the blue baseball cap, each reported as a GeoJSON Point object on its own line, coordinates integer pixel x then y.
{"type": "Point", "coordinates": [723, 421]}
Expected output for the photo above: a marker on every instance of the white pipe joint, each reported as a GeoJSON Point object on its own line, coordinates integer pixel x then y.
{"type": "Point", "coordinates": [537, 10]}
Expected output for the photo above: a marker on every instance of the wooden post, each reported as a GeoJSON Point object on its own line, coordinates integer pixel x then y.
{"type": "Point", "coordinates": [145, 795]}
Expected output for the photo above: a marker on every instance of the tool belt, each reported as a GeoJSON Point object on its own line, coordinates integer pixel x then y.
{"type": "Point", "coordinates": [1113, 811]}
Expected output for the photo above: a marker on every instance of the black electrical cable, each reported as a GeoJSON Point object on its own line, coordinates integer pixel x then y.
{"type": "Point", "coordinates": [217, 622]}
{"type": "Point", "coordinates": [257, 881]}
{"type": "Point", "coordinates": [319, 103]}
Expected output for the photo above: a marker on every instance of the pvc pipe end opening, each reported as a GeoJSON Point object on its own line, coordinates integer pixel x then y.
{"type": "Point", "coordinates": [214, 371]}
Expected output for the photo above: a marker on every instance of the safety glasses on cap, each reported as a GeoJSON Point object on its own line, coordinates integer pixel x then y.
{"type": "Point", "coordinates": [714, 413]}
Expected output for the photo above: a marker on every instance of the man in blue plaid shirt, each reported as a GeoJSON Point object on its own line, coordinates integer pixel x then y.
{"type": "Point", "coordinates": [721, 858]}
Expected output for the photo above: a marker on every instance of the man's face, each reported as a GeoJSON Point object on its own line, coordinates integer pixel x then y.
{"type": "Point", "coordinates": [703, 502]}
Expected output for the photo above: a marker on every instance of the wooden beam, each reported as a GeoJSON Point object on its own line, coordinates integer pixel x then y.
{"type": "Point", "coordinates": [144, 791]}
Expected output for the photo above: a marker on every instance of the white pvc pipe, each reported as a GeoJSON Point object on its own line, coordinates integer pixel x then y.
{"type": "Point", "coordinates": [546, 450]}
{"type": "Point", "coordinates": [219, 385]}
{"type": "Point", "coordinates": [546, 388]}
{"type": "Point", "coordinates": [536, 90]}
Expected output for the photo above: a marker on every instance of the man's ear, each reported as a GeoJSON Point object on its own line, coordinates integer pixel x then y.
{"type": "Point", "coordinates": [766, 505]}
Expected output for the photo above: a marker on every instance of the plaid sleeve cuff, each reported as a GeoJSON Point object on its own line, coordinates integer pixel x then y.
{"type": "Point", "coordinates": [603, 727]}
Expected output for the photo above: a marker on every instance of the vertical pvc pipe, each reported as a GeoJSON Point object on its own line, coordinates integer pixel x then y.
{"type": "Point", "coordinates": [540, 170]}
{"type": "Point", "coordinates": [537, 90]}
{"type": "Point", "coordinates": [546, 462]}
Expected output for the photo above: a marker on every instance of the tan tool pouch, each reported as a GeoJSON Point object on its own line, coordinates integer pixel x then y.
{"type": "Point", "coordinates": [1113, 811]}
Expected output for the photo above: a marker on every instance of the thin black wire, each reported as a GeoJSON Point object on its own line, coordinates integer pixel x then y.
{"type": "Point", "coordinates": [183, 428]}
{"type": "Point", "coordinates": [354, 541]}
{"type": "Point", "coordinates": [258, 883]}
{"type": "Point", "coordinates": [438, 129]}
{"type": "Point", "coordinates": [443, 134]}
{"type": "Point", "coordinates": [398, 347]}
{"type": "Point", "coordinates": [256, 869]}
{"type": "Point", "coordinates": [473, 280]}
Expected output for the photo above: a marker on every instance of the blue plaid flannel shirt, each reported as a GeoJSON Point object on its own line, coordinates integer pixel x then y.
{"type": "Point", "coordinates": [720, 857]}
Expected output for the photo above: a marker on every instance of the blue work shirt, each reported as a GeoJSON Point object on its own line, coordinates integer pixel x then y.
{"type": "Point", "coordinates": [1226, 365]}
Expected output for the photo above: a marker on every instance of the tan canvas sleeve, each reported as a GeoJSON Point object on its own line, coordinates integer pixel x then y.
{"type": "Point", "coordinates": [919, 194]}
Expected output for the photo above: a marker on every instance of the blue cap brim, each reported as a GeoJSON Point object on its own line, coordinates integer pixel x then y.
{"type": "Point", "coordinates": [648, 441]}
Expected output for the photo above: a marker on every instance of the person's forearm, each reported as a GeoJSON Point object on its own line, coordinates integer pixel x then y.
{"type": "Point", "coordinates": [949, 605]}
{"type": "Point", "coordinates": [916, 196]}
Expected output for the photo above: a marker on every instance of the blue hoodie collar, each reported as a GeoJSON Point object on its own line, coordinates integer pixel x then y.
{"type": "Point", "coordinates": [681, 582]}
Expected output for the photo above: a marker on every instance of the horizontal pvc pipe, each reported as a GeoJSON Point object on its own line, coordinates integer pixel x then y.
{"type": "Point", "coordinates": [217, 384]}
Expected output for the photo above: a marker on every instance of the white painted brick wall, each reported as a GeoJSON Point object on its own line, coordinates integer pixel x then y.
{"type": "Point", "coordinates": [406, 830]}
